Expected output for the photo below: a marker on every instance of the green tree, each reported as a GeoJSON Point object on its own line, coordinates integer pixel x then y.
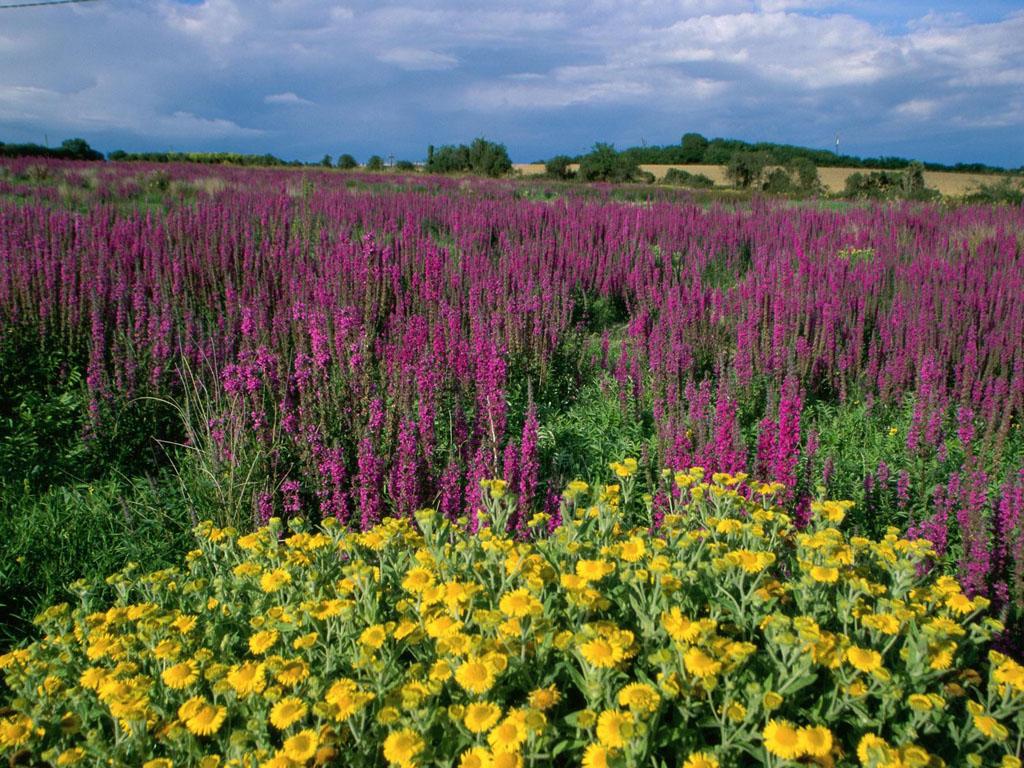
{"type": "Point", "coordinates": [603, 163]}
{"type": "Point", "coordinates": [327, 162]}
{"type": "Point", "coordinates": [78, 149]}
{"type": "Point", "coordinates": [806, 173]}
{"type": "Point", "coordinates": [778, 182]}
{"type": "Point", "coordinates": [488, 158]}
{"type": "Point", "coordinates": [375, 163]}
{"type": "Point", "coordinates": [558, 167]}
{"type": "Point", "coordinates": [745, 168]}
{"type": "Point", "coordinates": [448, 159]}
{"type": "Point", "coordinates": [346, 162]}
{"type": "Point", "coordinates": [694, 146]}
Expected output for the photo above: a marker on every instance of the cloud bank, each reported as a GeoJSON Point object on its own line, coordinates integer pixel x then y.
{"type": "Point", "coordinates": [303, 77]}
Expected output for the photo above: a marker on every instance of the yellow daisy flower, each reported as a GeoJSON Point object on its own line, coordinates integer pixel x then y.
{"type": "Point", "coordinates": [401, 747]}
{"type": "Point", "coordinates": [482, 716]}
{"type": "Point", "coordinates": [782, 739]}
{"type": "Point", "coordinates": [181, 675]}
{"type": "Point", "coordinates": [302, 746]}
{"type": "Point", "coordinates": [287, 711]}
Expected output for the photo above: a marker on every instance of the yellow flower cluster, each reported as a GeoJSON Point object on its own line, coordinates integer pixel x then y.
{"type": "Point", "coordinates": [723, 637]}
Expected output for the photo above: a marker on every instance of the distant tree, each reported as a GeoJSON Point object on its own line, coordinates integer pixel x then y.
{"type": "Point", "coordinates": [904, 185]}
{"type": "Point", "coordinates": [489, 158]}
{"type": "Point", "coordinates": [448, 159]}
{"type": "Point", "coordinates": [327, 162]}
{"type": "Point", "coordinates": [693, 148]}
{"type": "Point", "coordinates": [913, 179]}
{"type": "Point", "coordinates": [778, 182]}
{"type": "Point", "coordinates": [482, 157]}
{"type": "Point", "coordinates": [745, 168]}
{"type": "Point", "coordinates": [117, 154]}
{"type": "Point", "coordinates": [79, 149]}
{"type": "Point", "coordinates": [806, 173]}
{"type": "Point", "coordinates": [375, 163]}
{"type": "Point", "coordinates": [405, 165]}
{"type": "Point", "coordinates": [603, 163]}
{"type": "Point", "coordinates": [346, 162]}
{"type": "Point", "coordinates": [558, 167]}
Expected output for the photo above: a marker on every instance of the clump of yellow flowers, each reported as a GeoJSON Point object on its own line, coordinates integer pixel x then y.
{"type": "Point", "coordinates": [722, 637]}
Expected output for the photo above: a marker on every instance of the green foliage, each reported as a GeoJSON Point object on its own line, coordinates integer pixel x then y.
{"type": "Point", "coordinates": [327, 162]}
{"type": "Point", "coordinates": [482, 157]}
{"type": "Point", "coordinates": [346, 162]}
{"type": "Point", "coordinates": [70, 149]}
{"type": "Point", "coordinates": [693, 146]}
{"type": "Point", "coordinates": [681, 178]}
{"type": "Point", "coordinates": [375, 163]}
{"type": "Point", "coordinates": [581, 440]}
{"type": "Point", "coordinates": [82, 531]}
{"type": "Point", "coordinates": [745, 168]}
{"type": "Point", "coordinates": [778, 182]}
{"type": "Point", "coordinates": [206, 158]}
{"type": "Point", "coordinates": [605, 164]}
{"type": "Point", "coordinates": [806, 173]}
{"type": "Point", "coordinates": [890, 185]}
{"type": "Point", "coordinates": [558, 167]}
{"type": "Point", "coordinates": [1004, 191]}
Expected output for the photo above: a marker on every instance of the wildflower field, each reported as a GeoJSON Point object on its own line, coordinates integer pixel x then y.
{"type": "Point", "coordinates": [420, 471]}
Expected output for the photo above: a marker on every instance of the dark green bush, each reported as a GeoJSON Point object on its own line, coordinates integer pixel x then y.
{"type": "Point", "coordinates": [681, 178]}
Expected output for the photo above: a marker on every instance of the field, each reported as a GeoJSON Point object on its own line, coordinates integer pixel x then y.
{"type": "Point", "coordinates": [947, 183]}
{"type": "Point", "coordinates": [444, 471]}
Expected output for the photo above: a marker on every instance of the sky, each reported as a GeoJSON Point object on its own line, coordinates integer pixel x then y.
{"type": "Point", "coordinates": [937, 81]}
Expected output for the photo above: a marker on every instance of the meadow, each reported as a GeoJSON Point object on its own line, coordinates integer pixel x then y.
{"type": "Point", "coordinates": [452, 443]}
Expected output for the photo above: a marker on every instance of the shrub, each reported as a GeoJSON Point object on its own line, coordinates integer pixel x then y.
{"type": "Point", "coordinates": [346, 162]}
{"type": "Point", "coordinates": [903, 185]}
{"type": "Point", "coordinates": [778, 182]}
{"type": "Point", "coordinates": [482, 157]}
{"type": "Point", "coordinates": [745, 169]}
{"type": "Point", "coordinates": [686, 179]}
{"type": "Point", "coordinates": [605, 164]}
{"type": "Point", "coordinates": [1005, 190]}
{"type": "Point", "coordinates": [558, 167]}
{"type": "Point", "coordinates": [725, 637]}
{"type": "Point", "coordinates": [375, 163]}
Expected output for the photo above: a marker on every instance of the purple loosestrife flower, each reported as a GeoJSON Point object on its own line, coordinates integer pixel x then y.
{"type": "Point", "coordinates": [972, 520]}
{"type": "Point", "coordinates": [450, 502]}
{"type": "Point", "coordinates": [529, 463]}
{"type": "Point", "coordinates": [787, 440]}
{"type": "Point", "coordinates": [292, 504]}
{"type": "Point", "coordinates": [405, 471]}
{"type": "Point", "coordinates": [264, 508]}
{"type": "Point", "coordinates": [903, 489]}
{"type": "Point", "coordinates": [728, 454]}
{"type": "Point", "coordinates": [368, 482]}
{"type": "Point", "coordinates": [965, 426]}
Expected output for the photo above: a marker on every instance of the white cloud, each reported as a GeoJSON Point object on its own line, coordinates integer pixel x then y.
{"type": "Point", "coordinates": [216, 23]}
{"type": "Point", "coordinates": [917, 109]}
{"type": "Point", "coordinates": [287, 97]}
{"type": "Point", "coordinates": [418, 59]}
